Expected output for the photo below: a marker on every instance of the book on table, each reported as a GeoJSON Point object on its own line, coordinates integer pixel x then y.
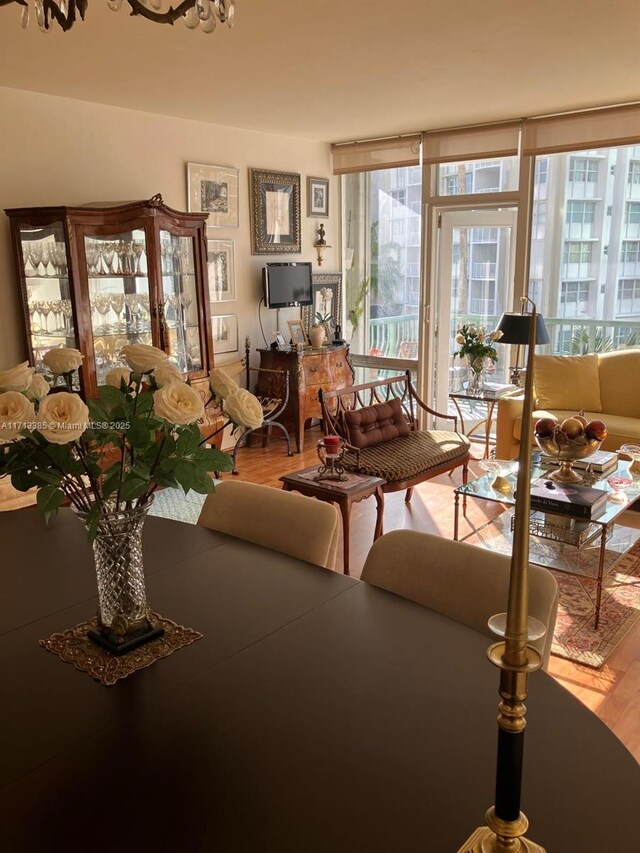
{"type": "Point", "coordinates": [567, 499]}
{"type": "Point", "coordinates": [602, 461]}
{"type": "Point", "coordinates": [493, 389]}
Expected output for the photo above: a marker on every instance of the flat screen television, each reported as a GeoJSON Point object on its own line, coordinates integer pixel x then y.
{"type": "Point", "coordinates": [287, 285]}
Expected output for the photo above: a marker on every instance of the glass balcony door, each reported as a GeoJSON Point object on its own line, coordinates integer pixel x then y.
{"type": "Point", "coordinates": [475, 263]}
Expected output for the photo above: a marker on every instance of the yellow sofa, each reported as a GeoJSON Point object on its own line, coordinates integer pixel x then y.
{"type": "Point", "coordinates": [606, 386]}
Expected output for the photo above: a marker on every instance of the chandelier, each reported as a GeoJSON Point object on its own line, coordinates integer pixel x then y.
{"type": "Point", "coordinates": [195, 14]}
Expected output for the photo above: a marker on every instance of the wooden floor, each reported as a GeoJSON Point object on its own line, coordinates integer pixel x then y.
{"type": "Point", "coordinates": [612, 692]}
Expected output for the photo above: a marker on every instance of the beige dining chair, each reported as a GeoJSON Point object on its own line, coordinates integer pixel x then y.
{"type": "Point", "coordinates": [283, 521]}
{"type": "Point", "coordinates": [465, 583]}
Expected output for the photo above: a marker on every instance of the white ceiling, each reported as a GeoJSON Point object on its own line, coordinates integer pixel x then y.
{"type": "Point", "coordinates": [341, 69]}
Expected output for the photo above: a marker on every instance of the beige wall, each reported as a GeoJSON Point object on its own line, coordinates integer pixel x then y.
{"type": "Point", "coordinates": [60, 151]}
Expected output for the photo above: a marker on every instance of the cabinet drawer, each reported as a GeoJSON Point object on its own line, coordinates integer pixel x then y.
{"type": "Point", "coordinates": [312, 408]}
{"type": "Point", "coordinates": [341, 374]}
{"type": "Point", "coordinates": [316, 370]}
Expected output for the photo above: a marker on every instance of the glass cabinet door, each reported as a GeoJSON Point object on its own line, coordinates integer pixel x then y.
{"type": "Point", "coordinates": [180, 302]}
{"type": "Point", "coordinates": [118, 280]}
{"type": "Point", "coordinates": [48, 295]}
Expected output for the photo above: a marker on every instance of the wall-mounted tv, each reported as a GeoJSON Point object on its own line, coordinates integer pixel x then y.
{"type": "Point", "coordinates": [287, 285]}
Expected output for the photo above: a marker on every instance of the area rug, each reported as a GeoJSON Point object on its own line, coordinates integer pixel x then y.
{"type": "Point", "coordinates": [174, 504]}
{"type": "Point", "coordinates": [575, 638]}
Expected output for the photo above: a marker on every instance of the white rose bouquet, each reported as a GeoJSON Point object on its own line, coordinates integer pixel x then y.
{"type": "Point", "coordinates": [105, 454]}
{"type": "Point", "coordinates": [475, 343]}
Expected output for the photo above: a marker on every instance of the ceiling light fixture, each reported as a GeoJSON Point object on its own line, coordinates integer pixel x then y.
{"type": "Point", "coordinates": [202, 14]}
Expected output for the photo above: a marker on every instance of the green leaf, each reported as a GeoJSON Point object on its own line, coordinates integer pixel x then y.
{"type": "Point", "coordinates": [23, 480]}
{"type": "Point", "coordinates": [214, 460]}
{"type": "Point", "coordinates": [47, 477]}
{"type": "Point", "coordinates": [188, 440]}
{"type": "Point", "coordinates": [49, 498]}
{"type": "Point", "coordinates": [184, 473]}
{"type": "Point", "coordinates": [203, 485]}
{"type": "Point", "coordinates": [110, 397]}
{"type": "Point", "coordinates": [97, 412]}
{"type": "Point", "coordinates": [133, 487]}
{"type": "Point", "coordinates": [145, 403]}
{"type": "Point", "coordinates": [163, 479]}
{"type": "Point", "coordinates": [139, 433]}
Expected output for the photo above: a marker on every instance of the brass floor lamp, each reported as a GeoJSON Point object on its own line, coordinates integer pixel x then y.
{"type": "Point", "coordinates": [506, 824]}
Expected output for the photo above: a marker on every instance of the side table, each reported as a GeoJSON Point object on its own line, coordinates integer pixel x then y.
{"type": "Point", "coordinates": [490, 400]}
{"type": "Point", "coordinates": [356, 488]}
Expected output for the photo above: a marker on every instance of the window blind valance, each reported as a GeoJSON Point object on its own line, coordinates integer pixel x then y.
{"type": "Point", "coordinates": [391, 153]}
{"type": "Point", "coordinates": [602, 128]}
{"type": "Point", "coordinates": [472, 143]}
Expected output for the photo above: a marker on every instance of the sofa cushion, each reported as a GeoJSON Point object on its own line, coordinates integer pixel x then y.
{"type": "Point", "coordinates": [372, 425]}
{"type": "Point", "coordinates": [409, 456]}
{"type": "Point", "coordinates": [567, 382]}
{"type": "Point", "coordinates": [621, 430]}
{"type": "Point", "coordinates": [620, 382]}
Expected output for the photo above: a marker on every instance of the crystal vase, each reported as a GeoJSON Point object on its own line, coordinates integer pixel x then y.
{"type": "Point", "coordinates": [476, 374]}
{"type": "Point", "coordinates": [123, 613]}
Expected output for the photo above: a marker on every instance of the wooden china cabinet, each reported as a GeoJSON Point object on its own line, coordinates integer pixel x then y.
{"type": "Point", "coordinates": [98, 277]}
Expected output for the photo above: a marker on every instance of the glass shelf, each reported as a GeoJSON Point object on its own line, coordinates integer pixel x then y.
{"type": "Point", "coordinates": [34, 279]}
{"type": "Point", "coordinates": [115, 276]}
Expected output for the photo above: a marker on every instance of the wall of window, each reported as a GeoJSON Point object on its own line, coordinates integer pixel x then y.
{"type": "Point", "coordinates": [585, 248]}
{"type": "Point", "coordinates": [383, 235]}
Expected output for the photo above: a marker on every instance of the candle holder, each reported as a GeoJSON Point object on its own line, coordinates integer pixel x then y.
{"type": "Point", "coordinates": [331, 450]}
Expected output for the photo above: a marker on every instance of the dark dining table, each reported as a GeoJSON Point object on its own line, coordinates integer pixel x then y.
{"type": "Point", "coordinates": [316, 714]}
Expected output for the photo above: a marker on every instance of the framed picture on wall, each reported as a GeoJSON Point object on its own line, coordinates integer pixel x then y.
{"type": "Point", "coordinates": [275, 212]}
{"type": "Point", "coordinates": [225, 333]}
{"type": "Point", "coordinates": [222, 270]}
{"type": "Point", "coordinates": [327, 300]}
{"type": "Point", "coordinates": [214, 190]}
{"type": "Point", "coordinates": [317, 197]}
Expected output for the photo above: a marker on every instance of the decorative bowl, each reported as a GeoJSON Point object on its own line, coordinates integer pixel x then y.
{"type": "Point", "coordinates": [566, 451]}
{"type": "Point", "coordinates": [619, 486]}
{"type": "Point", "coordinates": [633, 451]}
{"type": "Point", "coordinates": [501, 468]}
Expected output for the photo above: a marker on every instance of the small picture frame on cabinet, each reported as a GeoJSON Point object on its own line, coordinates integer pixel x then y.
{"type": "Point", "coordinates": [224, 330]}
{"type": "Point", "coordinates": [214, 190]}
{"type": "Point", "coordinates": [281, 344]}
{"type": "Point", "coordinates": [297, 332]}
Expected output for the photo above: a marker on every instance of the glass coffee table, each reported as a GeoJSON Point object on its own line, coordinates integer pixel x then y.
{"type": "Point", "coordinates": [588, 549]}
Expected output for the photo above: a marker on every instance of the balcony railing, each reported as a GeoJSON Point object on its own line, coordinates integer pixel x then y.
{"type": "Point", "coordinates": [397, 337]}
{"type": "Point", "coordinates": [484, 269]}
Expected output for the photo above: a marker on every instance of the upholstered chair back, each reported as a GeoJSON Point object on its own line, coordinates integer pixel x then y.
{"type": "Point", "coordinates": [283, 521]}
{"type": "Point", "coordinates": [465, 583]}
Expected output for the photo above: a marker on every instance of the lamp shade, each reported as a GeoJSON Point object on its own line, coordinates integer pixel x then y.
{"type": "Point", "coordinates": [515, 329]}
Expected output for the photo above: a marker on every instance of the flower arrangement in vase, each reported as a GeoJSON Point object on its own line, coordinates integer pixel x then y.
{"type": "Point", "coordinates": [477, 346]}
{"type": "Point", "coordinates": [106, 457]}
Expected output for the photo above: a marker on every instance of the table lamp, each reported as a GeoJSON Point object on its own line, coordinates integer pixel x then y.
{"type": "Point", "coordinates": [515, 330]}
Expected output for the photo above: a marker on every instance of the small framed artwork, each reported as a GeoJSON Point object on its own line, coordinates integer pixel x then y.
{"type": "Point", "coordinates": [297, 332]}
{"type": "Point", "coordinates": [225, 333]}
{"type": "Point", "coordinates": [280, 341]}
{"type": "Point", "coordinates": [317, 197]}
{"type": "Point", "coordinates": [327, 301]}
{"type": "Point", "coordinates": [274, 199]}
{"type": "Point", "coordinates": [222, 270]}
{"type": "Point", "coordinates": [214, 190]}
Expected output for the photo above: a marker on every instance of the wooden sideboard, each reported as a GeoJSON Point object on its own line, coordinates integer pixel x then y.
{"type": "Point", "coordinates": [328, 368]}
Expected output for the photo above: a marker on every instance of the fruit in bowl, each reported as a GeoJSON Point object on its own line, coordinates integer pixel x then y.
{"type": "Point", "coordinates": [574, 438]}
